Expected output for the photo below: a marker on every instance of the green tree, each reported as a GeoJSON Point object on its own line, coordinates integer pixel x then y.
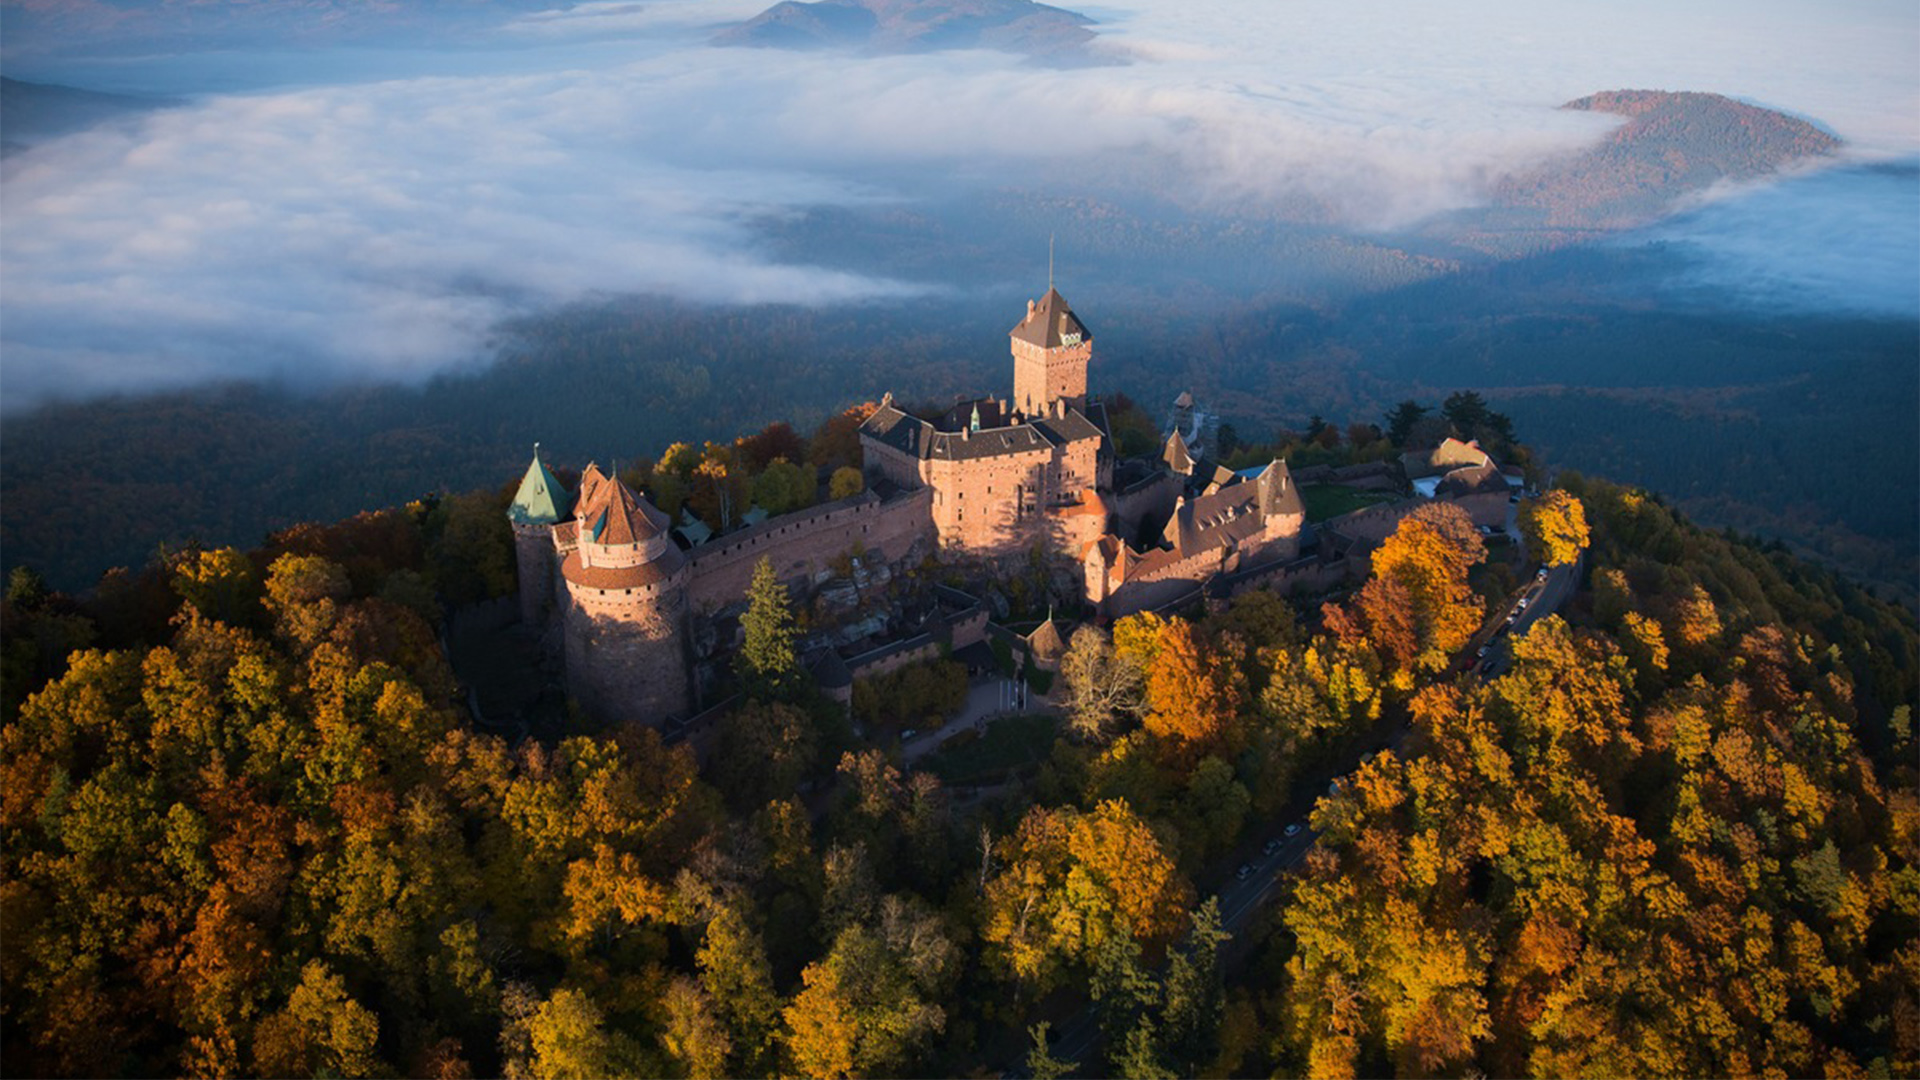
{"type": "Point", "coordinates": [845, 482]}
{"type": "Point", "coordinates": [783, 487]}
{"type": "Point", "coordinates": [768, 665]}
{"type": "Point", "coordinates": [1041, 1064]}
{"type": "Point", "coordinates": [1401, 420]}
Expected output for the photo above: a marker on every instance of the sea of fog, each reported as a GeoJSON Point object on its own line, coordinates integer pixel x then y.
{"type": "Point", "coordinates": [1844, 240]}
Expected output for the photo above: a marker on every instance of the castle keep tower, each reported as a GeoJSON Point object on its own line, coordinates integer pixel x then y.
{"type": "Point", "coordinates": [626, 606]}
{"type": "Point", "coordinates": [541, 503]}
{"type": "Point", "coordinates": [1051, 350]}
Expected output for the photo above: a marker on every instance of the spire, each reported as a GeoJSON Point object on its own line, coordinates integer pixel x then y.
{"type": "Point", "coordinates": [541, 499]}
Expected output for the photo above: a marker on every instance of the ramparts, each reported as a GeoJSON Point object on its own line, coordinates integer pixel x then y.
{"type": "Point", "coordinates": [802, 543]}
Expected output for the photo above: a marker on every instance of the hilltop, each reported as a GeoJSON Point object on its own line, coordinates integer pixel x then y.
{"type": "Point", "coordinates": [1672, 145]}
{"type": "Point", "coordinates": [908, 26]}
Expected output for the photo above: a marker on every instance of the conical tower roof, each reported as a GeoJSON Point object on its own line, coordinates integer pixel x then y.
{"type": "Point", "coordinates": [542, 498]}
{"type": "Point", "coordinates": [622, 517]}
{"type": "Point", "coordinates": [1050, 322]}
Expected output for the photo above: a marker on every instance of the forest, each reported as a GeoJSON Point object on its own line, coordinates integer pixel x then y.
{"type": "Point", "coordinates": [249, 830]}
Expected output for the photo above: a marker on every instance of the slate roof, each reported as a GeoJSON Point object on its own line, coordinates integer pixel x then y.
{"type": "Point", "coordinates": [1233, 513]}
{"type": "Point", "coordinates": [897, 428]}
{"type": "Point", "coordinates": [1070, 426]}
{"type": "Point", "coordinates": [1048, 321]}
{"type": "Point", "coordinates": [1176, 456]}
{"type": "Point", "coordinates": [911, 435]}
{"type": "Point", "coordinates": [961, 446]}
{"type": "Point", "coordinates": [542, 499]}
{"type": "Point", "coordinates": [1046, 641]}
{"type": "Point", "coordinates": [1473, 480]}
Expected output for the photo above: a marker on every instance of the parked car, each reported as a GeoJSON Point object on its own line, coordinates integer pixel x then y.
{"type": "Point", "coordinates": [1482, 651]}
{"type": "Point", "coordinates": [1270, 847]}
{"type": "Point", "coordinates": [1245, 871]}
{"type": "Point", "coordinates": [1524, 601]}
{"type": "Point", "coordinates": [1293, 829]}
{"type": "Point", "coordinates": [1541, 574]}
{"type": "Point", "coordinates": [907, 735]}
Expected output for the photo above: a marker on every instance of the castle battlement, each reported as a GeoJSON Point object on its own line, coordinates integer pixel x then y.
{"type": "Point", "coordinates": [988, 477]}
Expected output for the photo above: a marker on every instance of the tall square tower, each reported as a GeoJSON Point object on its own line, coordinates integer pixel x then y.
{"type": "Point", "coordinates": [1051, 350]}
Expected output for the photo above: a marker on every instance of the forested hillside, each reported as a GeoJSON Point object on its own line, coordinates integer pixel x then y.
{"type": "Point", "coordinates": [247, 832]}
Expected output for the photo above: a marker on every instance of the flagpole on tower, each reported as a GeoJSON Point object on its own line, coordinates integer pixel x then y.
{"type": "Point", "coordinates": [1049, 262]}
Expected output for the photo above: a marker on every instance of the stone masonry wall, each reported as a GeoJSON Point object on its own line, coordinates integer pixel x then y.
{"type": "Point", "coordinates": [534, 561]}
{"type": "Point", "coordinates": [805, 541]}
{"type": "Point", "coordinates": [626, 652]}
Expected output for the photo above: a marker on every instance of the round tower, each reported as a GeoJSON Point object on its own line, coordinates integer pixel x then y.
{"type": "Point", "coordinates": [626, 614]}
{"type": "Point", "coordinates": [540, 504]}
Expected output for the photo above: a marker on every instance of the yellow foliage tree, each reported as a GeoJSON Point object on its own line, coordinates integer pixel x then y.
{"type": "Point", "coordinates": [1556, 527]}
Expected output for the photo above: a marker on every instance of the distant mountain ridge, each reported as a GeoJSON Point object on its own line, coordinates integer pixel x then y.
{"type": "Point", "coordinates": [35, 112]}
{"type": "Point", "coordinates": [1674, 144]}
{"type": "Point", "coordinates": [907, 26]}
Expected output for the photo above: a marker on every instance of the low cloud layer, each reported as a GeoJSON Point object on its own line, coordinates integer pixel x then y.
{"type": "Point", "coordinates": [375, 224]}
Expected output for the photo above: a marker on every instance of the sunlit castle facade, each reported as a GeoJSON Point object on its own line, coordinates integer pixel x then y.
{"type": "Point", "coordinates": [986, 478]}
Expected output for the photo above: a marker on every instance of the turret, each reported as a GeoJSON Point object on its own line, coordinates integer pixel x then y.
{"type": "Point", "coordinates": [626, 583]}
{"type": "Point", "coordinates": [1051, 351]}
{"type": "Point", "coordinates": [540, 503]}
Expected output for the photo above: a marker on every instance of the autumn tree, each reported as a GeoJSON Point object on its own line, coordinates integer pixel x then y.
{"type": "Point", "coordinates": [775, 442]}
{"type": "Point", "coordinates": [870, 1005]}
{"type": "Point", "coordinates": [1192, 691]}
{"type": "Point", "coordinates": [1417, 607]}
{"type": "Point", "coordinates": [1556, 527]}
{"type": "Point", "coordinates": [1068, 882]}
{"type": "Point", "coordinates": [836, 444]}
{"type": "Point", "coordinates": [221, 584]}
{"type": "Point", "coordinates": [1101, 687]}
{"type": "Point", "coordinates": [720, 490]}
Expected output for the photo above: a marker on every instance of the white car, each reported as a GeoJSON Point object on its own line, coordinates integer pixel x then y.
{"type": "Point", "coordinates": [1293, 829]}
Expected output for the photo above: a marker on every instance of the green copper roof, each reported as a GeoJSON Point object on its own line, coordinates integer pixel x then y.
{"type": "Point", "coordinates": [541, 500]}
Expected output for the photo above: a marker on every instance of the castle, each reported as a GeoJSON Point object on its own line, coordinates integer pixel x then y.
{"type": "Point", "coordinates": [989, 477]}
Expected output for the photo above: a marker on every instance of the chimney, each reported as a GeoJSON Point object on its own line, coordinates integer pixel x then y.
{"type": "Point", "coordinates": [1030, 307]}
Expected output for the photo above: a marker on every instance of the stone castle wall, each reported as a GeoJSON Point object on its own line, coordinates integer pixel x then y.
{"type": "Point", "coordinates": [989, 504]}
{"type": "Point", "coordinates": [626, 650]}
{"type": "Point", "coordinates": [1042, 375]}
{"type": "Point", "coordinates": [806, 541]}
{"type": "Point", "coordinates": [534, 559]}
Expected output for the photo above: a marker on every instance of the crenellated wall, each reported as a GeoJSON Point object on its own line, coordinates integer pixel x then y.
{"type": "Point", "coordinates": [806, 541]}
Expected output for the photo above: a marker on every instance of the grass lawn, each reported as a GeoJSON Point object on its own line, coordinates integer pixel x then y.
{"type": "Point", "coordinates": [1325, 501]}
{"type": "Point", "coordinates": [1007, 744]}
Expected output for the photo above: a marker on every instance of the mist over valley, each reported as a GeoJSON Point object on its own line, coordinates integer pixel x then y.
{"type": "Point", "coordinates": [422, 242]}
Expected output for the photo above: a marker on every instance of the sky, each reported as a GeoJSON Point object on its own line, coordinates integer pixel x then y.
{"type": "Point", "coordinates": [366, 201]}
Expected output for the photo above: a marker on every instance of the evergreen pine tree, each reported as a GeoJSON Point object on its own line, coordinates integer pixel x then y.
{"type": "Point", "coordinates": [768, 665]}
